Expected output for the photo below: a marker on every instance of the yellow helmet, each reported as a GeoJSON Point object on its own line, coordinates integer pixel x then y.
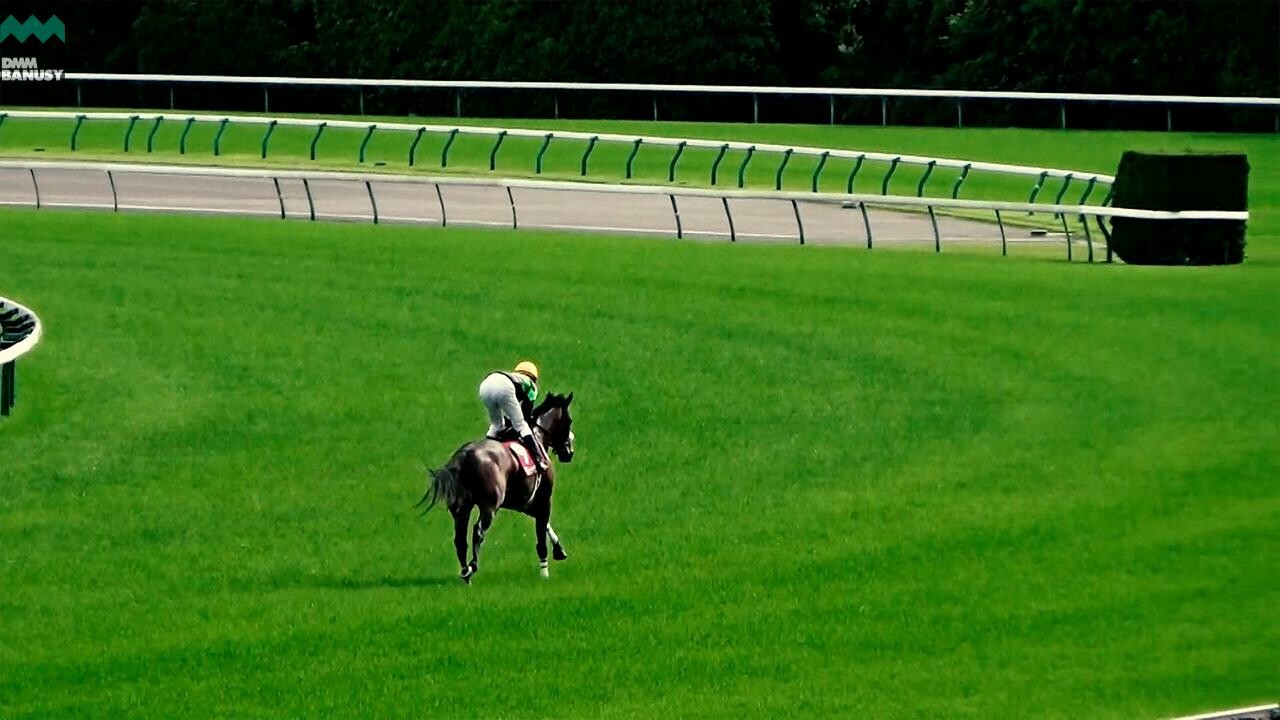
{"type": "Point", "coordinates": [528, 368]}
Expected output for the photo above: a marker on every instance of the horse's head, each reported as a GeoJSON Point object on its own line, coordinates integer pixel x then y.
{"type": "Point", "coordinates": [553, 417]}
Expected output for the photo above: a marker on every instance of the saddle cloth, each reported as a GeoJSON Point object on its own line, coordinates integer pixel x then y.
{"type": "Point", "coordinates": [522, 456]}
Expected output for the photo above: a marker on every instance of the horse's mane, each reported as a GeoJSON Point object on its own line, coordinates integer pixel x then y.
{"type": "Point", "coordinates": [550, 402]}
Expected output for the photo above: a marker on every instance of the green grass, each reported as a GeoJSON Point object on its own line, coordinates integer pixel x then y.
{"type": "Point", "coordinates": [832, 482]}
{"type": "Point", "coordinates": [338, 149]}
{"type": "Point", "coordinates": [810, 481]}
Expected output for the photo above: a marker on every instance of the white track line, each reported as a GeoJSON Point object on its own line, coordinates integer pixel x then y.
{"type": "Point", "coordinates": [1229, 713]}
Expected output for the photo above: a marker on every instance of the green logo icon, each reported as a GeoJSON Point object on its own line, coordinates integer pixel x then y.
{"type": "Point", "coordinates": [53, 27]}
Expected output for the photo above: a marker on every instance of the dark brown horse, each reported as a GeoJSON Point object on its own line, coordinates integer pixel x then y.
{"type": "Point", "coordinates": [484, 475]}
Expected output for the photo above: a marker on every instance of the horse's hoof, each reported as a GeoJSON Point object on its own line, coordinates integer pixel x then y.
{"type": "Point", "coordinates": [467, 572]}
{"type": "Point", "coordinates": [558, 553]}
{"type": "Point", "coordinates": [543, 571]}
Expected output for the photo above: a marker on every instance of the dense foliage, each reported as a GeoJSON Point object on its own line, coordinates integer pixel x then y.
{"type": "Point", "coordinates": [1223, 47]}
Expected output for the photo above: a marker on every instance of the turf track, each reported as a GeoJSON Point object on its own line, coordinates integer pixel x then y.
{"type": "Point", "coordinates": [810, 480]}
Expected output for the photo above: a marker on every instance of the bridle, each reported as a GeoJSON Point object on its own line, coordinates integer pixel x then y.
{"type": "Point", "coordinates": [561, 447]}
{"type": "Point", "coordinates": [546, 432]}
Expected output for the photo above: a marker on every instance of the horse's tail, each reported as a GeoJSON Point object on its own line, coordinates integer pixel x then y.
{"type": "Point", "coordinates": [445, 483]}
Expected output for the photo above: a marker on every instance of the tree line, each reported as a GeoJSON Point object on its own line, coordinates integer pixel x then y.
{"type": "Point", "coordinates": [1218, 47]}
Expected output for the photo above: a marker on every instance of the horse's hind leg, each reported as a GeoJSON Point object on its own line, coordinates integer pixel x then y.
{"type": "Point", "coordinates": [460, 517]}
{"type": "Point", "coordinates": [477, 535]}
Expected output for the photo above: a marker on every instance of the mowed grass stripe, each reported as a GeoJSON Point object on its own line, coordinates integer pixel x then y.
{"type": "Point", "coordinates": [388, 150]}
{"type": "Point", "coordinates": [810, 481]}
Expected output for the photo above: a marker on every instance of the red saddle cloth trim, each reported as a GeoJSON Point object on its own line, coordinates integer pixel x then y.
{"type": "Point", "coordinates": [522, 456]}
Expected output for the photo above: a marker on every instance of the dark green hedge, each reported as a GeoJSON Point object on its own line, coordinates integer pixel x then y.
{"type": "Point", "coordinates": [1180, 182]}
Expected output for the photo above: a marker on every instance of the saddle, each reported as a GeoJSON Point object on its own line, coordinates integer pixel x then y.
{"type": "Point", "coordinates": [510, 440]}
{"type": "Point", "coordinates": [522, 456]}
{"type": "Point", "coordinates": [506, 434]}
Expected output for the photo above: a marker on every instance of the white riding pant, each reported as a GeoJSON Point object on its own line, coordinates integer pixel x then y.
{"type": "Point", "coordinates": [498, 395]}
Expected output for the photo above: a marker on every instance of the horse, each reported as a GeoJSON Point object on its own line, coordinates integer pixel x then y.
{"type": "Point", "coordinates": [483, 474]}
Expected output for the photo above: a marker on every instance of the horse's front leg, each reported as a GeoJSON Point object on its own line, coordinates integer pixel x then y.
{"type": "Point", "coordinates": [557, 551]}
{"type": "Point", "coordinates": [542, 526]}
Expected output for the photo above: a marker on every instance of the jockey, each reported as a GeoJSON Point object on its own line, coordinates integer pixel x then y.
{"type": "Point", "coordinates": [508, 397]}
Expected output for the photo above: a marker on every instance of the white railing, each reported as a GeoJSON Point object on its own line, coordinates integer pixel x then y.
{"type": "Point", "coordinates": [29, 340]}
{"type": "Point", "coordinates": [659, 87]}
{"type": "Point", "coordinates": [655, 87]}
{"type": "Point", "coordinates": [859, 201]}
{"type": "Point", "coordinates": [959, 96]}
{"type": "Point", "coordinates": [636, 141]}
{"type": "Point", "coordinates": [17, 315]}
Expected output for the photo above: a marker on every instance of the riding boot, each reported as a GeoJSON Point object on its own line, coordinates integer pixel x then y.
{"type": "Point", "coordinates": [535, 448]}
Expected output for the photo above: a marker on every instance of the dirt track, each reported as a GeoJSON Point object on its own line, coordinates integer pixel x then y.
{"type": "Point", "coordinates": [639, 214]}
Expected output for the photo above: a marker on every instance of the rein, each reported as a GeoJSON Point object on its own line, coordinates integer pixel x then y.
{"type": "Point", "coordinates": [537, 483]}
{"type": "Point", "coordinates": [537, 478]}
